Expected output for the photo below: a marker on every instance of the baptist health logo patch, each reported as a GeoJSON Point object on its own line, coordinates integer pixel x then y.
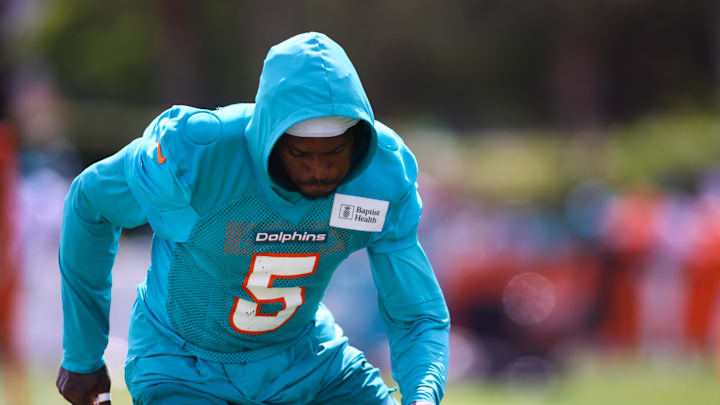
{"type": "Point", "coordinates": [346, 211]}
{"type": "Point", "coordinates": [358, 213]}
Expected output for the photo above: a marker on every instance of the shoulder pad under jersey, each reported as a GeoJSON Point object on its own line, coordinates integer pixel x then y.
{"type": "Point", "coordinates": [161, 162]}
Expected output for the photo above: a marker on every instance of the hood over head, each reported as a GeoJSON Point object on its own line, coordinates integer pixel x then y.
{"type": "Point", "coordinates": [306, 76]}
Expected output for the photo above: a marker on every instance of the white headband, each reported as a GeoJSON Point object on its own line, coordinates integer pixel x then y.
{"type": "Point", "coordinates": [323, 127]}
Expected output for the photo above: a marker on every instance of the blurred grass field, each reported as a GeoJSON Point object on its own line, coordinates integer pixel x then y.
{"type": "Point", "coordinates": [593, 381]}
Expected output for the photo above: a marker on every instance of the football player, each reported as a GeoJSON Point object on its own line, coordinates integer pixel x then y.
{"type": "Point", "coordinates": [253, 206]}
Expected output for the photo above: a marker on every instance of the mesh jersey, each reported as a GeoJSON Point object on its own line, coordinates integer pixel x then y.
{"type": "Point", "coordinates": [210, 273]}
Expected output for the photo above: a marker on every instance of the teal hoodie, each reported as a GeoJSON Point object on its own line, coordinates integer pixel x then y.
{"type": "Point", "coordinates": [200, 179]}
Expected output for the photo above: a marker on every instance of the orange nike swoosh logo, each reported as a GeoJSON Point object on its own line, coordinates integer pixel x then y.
{"type": "Point", "coordinates": [161, 158]}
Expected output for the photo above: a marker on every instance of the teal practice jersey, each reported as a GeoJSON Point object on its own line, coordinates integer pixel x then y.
{"type": "Point", "coordinates": [239, 263]}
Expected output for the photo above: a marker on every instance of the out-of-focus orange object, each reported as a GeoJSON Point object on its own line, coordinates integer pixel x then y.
{"type": "Point", "coordinates": [703, 275]}
{"type": "Point", "coordinates": [631, 234]}
{"type": "Point", "coordinates": [9, 249]}
{"type": "Point", "coordinates": [10, 357]}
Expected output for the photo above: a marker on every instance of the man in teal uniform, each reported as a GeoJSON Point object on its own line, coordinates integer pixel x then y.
{"type": "Point", "coordinates": [253, 206]}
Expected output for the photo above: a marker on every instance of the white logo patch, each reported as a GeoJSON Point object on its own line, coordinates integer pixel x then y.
{"type": "Point", "coordinates": [358, 213]}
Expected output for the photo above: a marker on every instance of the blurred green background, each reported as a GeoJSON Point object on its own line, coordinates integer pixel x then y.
{"type": "Point", "coordinates": [568, 152]}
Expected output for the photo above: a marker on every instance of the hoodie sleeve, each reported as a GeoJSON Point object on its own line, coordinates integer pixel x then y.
{"type": "Point", "coordinates": [411, 305]}
{"type": "Point", "coordinates": [143, 183]}
{"type": "Point", "coordinates": [99, 204]}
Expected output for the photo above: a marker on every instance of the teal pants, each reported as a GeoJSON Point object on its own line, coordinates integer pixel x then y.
{"type": "Point", "coordinates": [321, 368]}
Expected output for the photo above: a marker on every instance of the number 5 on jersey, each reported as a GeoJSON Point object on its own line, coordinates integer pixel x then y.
{"type": "Point", "coordinates": [265, 268]}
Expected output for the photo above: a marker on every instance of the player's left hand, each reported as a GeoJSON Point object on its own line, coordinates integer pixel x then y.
{"type": "Point", "coordinates": [84, 389]}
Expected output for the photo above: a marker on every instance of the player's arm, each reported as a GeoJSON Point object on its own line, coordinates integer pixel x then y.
{"type": "Point", "coordinates": [414, 311]}
{"type": "Point", "coordinates": [411, 305]}
{"type": "Point", "coordinates": [98, 205]}
{"type": "Point", "coordinates": [140, 184]}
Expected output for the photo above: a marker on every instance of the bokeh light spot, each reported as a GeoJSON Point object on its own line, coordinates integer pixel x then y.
{"type": "Point", "coordinates": [529, 298]}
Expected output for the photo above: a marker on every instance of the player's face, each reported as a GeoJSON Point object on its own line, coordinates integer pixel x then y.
{"type": "Point", "coordinates": [316, 165]}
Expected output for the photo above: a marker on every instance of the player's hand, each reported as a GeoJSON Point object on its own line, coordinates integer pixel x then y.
{"type": "Point", "coordinates": [421, 403]}
{"type": "Point", "coordinates": [83, 389]}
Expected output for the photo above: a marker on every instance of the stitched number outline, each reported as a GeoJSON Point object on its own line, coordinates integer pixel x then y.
{"type": "Point", "coordinates": [265, 268]}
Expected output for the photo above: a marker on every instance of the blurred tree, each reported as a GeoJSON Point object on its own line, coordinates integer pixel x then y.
{"type": "Point", "coordinates": [101, 50]}
{"type": "Point", "coordinates": [659, 57]}
{"type": "Point", "coordinates": [576, 65]}
{"type": "Point", "coordinates": [175, 60]}
{"type": "Point", "coordinates": [475, 64]}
